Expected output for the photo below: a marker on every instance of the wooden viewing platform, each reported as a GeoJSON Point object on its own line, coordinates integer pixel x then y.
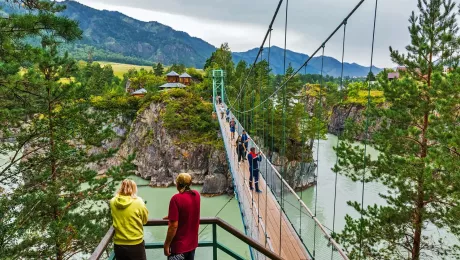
{"type": "Point", "coordinates": [265, 210]}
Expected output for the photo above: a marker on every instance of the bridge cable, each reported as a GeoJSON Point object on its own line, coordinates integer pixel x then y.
{"type": "Point", "coordinates": [242, 87]}
{"type": "Point", "coordinates": [341, 87]}
{"type": "Point", "coordinates": [284, 124]}
{"type": "Point", "coordinates": [264, 139]}
{"type": "Point", "coordinates": [302, 155]}
{"type": "Point", "coordinates": [307, 61]}
{"type": "Point", "coordinates": [319, 117]}
{"type": "Point", "coordinates": [231, 198]}
{"type": "Point", "coordinates": [366, 136]}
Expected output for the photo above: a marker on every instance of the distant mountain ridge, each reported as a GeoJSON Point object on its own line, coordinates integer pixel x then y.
{"type": "Point", "coordinates": [113, 36]}
{"type": "Point", "coordinates": [332, 66]}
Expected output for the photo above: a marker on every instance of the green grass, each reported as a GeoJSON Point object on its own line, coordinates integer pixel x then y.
{"type": "Point", "coordinates": [376, 97]}
{"type": "Point", "coordinates": [119, 68]}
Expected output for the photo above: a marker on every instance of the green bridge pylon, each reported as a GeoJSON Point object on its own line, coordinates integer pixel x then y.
{"type": "Point", "coordinates": [218, 85]}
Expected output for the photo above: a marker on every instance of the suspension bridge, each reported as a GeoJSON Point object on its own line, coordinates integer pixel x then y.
{"type": "Point", "coordinates": [277, 223]}
{"type": "Point", "coordinates": [277, 217]}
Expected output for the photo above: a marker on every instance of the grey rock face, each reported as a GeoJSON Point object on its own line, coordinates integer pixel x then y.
{"type": "Point", "coordinates": [160, 157]}
{"type": "Point", "coordinates": [299, 175]}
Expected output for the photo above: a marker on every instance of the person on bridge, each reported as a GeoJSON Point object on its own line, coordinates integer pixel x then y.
{"type": "Point", "coordinates": [228, 115]}
{"type": "Point", "coordinates": [222, 112]}
{"type": "Point", "coordinates": [232, 128]}
{"type": "Point", "coordinates": [254, 159]}
{"type": "Point", "coordinates": [245, 139]}
{"type": "Point", "coordinates": [240, 149]}
{"type": "Point", "coordinates": [184, 221]}
{"type": "Point", "coordinates": [129, 215]}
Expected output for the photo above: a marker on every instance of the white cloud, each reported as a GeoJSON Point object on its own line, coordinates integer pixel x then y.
{"type": "Point", "coordinates": [243, 23]}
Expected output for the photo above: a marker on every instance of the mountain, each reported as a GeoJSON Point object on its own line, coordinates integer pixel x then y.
{"type": "Point", "coordinates": [116, 33]}
{"type": "Point", "coordinates": [332, 66]}
{"type": "Point", "coordinates": [113, 36]}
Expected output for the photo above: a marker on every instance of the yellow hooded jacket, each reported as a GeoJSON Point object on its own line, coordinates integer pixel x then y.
{"type": "Point", "coordinates": [129, 216]}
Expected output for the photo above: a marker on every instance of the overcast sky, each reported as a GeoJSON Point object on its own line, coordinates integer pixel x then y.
{"type": "Point", "coordinates": [243, 23]}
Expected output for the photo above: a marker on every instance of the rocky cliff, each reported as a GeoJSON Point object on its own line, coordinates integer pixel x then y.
{"type": "Point", "coordinates": [161, 155]}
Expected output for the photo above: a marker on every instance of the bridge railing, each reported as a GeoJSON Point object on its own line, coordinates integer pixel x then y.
{"type": "Point", "coordinates": [253, 223]}
{"type": "Point", "coordinates": [315, 237]}
{"type": "Point", "coordinates": [219, 250]}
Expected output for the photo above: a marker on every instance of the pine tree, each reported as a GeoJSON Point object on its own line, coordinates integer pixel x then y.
{"type": "Point", "coordinates": [55, 207]}
{"type": "Point", "coordinates": [417, 134]}
{"type": "Point", "coordinates": [158, 70]}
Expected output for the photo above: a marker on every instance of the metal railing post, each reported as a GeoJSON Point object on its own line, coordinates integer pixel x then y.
{"type": "Point", "coordinates": [214, 241]}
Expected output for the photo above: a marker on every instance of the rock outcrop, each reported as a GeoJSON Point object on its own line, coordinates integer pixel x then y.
{"type": "Point", "coordinates": [161, 156]}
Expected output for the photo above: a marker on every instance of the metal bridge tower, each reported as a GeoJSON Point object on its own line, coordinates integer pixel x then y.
{"type": "Point", "coordinates": [217, 85]}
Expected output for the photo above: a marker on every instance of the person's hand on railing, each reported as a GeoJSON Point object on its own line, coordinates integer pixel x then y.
{"type": "Point", "coordinates": [165, 218]}
{"type": "Point", "coordinates": [167, 250]}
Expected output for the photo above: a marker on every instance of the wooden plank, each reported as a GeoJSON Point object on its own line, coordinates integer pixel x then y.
{"type": "Point", "coordinates": [291, 246]}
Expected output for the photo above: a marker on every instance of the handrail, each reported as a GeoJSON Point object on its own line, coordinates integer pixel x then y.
{"type": "Point", "coordinates": [327, 235]}
{"type": "Point", "coordinates": [203, 221]}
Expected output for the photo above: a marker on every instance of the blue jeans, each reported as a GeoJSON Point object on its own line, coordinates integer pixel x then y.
{"type": "Point", "coordinates": [254, 175]}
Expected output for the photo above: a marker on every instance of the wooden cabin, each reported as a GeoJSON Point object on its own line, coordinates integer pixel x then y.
{"type": "Point", "coordinates": [185, 79]}
{"type": "Point", "coordinates": [172, 77]}
{"type": "Point", "coordinates": [140, 93]}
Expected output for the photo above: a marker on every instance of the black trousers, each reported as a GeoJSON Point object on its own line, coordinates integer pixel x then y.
{"type": "Point", "coordinates": [184, 256]}
{"type": "Point", "coordinates": [240, 153]}
{"type": "Point", "coordinates": [130, 252]}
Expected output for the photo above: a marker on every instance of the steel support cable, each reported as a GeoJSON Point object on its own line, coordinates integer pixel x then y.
{"type": "Point", "coordinates": [338, 137]}
{"type": "Point", "coordinates": [302, 158]}
{"type": "Point", "coordinates": [266, 162]}
{"type": "Point", "coordinates": [259, 52]}
{"type": "Point", "coordinates": [225, 205]}
{"type": "Point", "coordinates": [284, 124]}
{"type": "Point", "coordinates": [308, 60]}
{"type": "Point", "coordinates": [319, 117]}
{"type": "Point", "coordinates": [366, 136]}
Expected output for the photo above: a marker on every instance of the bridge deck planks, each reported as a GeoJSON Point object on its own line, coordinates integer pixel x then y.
{"type": "Point", "coordinates": [291, 246]}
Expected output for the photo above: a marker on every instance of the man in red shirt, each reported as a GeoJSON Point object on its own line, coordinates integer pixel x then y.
{"type": "Point", "coordinates": [184, 221]}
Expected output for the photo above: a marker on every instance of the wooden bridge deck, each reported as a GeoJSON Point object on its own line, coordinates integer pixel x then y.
{"type": "Point", "coordinates": [265, 209]}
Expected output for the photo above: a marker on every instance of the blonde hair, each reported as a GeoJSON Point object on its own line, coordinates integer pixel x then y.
{"type": "Point", "coordinates": [128, 188]}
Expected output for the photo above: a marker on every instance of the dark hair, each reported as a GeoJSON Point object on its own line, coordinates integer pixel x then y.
{"type": "Point", "coordinates": [253, 149]}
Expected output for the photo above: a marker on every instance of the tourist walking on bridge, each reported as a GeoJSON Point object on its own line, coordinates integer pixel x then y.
{"type": "Point", "coordinates": [245, 139]}
{"type": "Point", "coordinates": [240, 149]}
{"type": "Point", "coordinates": [222, 112]}
{"type": "Point", "coordinates": [184, 221]}
{"type": "Point", "coordinates": [129, 214]}
{"type": "Point", "coordinates": [232, 128]}
{"type": "Point", "coordinates": [254, 159]}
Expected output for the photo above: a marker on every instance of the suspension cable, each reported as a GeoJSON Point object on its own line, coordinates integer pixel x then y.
{"type": "Point", "coordinates": [366, 136]}
{"type": "Point", "coordinates": [319, 116]}
{"type": "Point", "coordinates": [338, 137]}
{"type": "Point", "coordinates": [242, 87]}
{"type": "Point", "coordinates": [284, 123]}
{"type": "Point", "coordinates": [266, 161]}
{"type": "Point", "coordinates": [307, 61]}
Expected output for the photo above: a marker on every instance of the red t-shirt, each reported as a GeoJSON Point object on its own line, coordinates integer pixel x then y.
{"type": "Point", "coordinates": [185, 208]}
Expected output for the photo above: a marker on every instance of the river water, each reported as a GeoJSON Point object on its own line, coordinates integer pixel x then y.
{"type": "Point", "coordinates": [158, 199]}
{"type": "Point", "coordinates": [347, 190]}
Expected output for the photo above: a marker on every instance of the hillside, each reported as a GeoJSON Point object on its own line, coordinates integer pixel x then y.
{"type": "Point", "coordinates": [115, 33]}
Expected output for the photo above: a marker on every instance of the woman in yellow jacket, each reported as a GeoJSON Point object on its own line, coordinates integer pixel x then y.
{"type": "Point", "coordinates": [129, 215]}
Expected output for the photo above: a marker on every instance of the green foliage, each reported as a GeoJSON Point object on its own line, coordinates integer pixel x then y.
{"type": "Point", "coordinates": [418, 140]}
{"type": "Point", "coordinates": [143, 79]}
{"type": "Point", "coordinates": [189, 117]}
{"type": "Point", "coordinates": [179, 68]}
{"type": "Point", "coordinates": [158, 70]}
{"type": "Point", "coordinates": [55, 206]}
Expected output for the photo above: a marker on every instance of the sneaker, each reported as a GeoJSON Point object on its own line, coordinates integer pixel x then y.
{"type": "Point", "coordinates": [251, 188]}
{"type": "Point", "coordinates": [258, 191]}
